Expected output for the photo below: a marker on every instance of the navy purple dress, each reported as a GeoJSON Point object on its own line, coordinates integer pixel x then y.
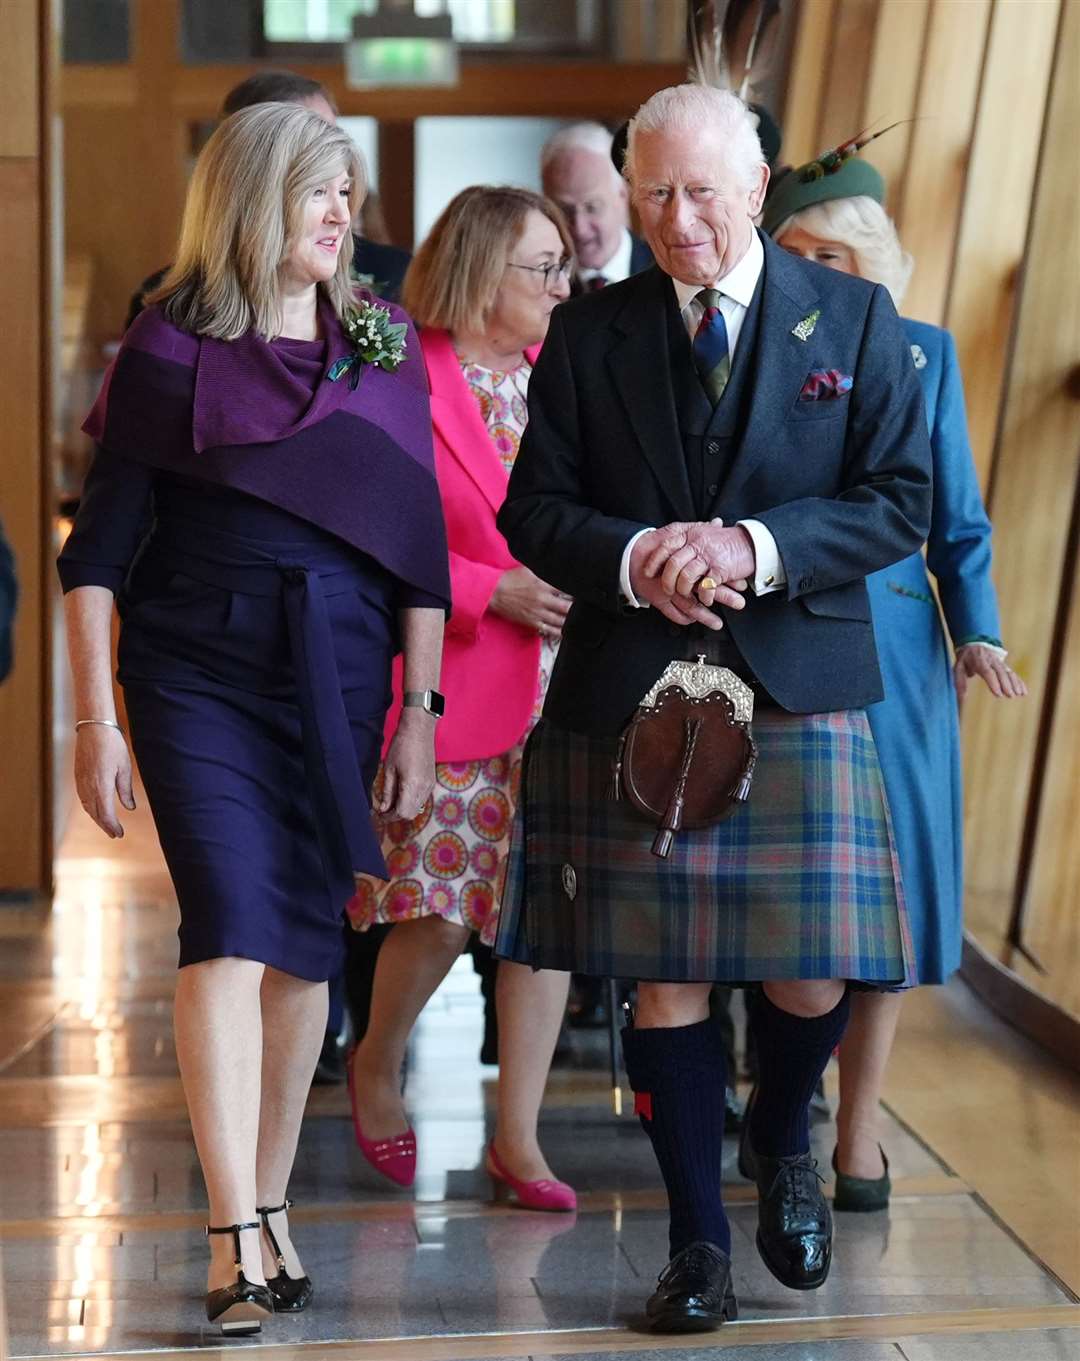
{"type": "Point", "coordinates": [260, 526]}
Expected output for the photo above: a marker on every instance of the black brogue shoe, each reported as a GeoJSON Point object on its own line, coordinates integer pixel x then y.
{"type": "Point", "coordinates": [794, 1233]}
{"type": "Point", "coordinates": [693, 1293]}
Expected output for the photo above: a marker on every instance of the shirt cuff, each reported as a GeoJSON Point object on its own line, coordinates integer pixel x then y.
{"type": "Point", "coordinates": [769, 574]}
{"type": "Point", "coordinates": [999, 652]}
{"type": "Point", "coordinates": [625, 589]}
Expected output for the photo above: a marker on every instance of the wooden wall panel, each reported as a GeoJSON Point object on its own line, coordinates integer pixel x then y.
{"type": "Point", "coordinates": [104, 217]}
{"type": "Point", "coordinates": [569, 89]}
{"type": "Point", "coordinates": [934, 187]}
{"type": "Point", "coordinates": [850, 43]}
{"type": "Point", "coordinates": [160, 137]}
{"type": "Point", "coordinates": [807, 87]}
{"type": "Point", "coordinates": [23, 788]}
{"type": "Point", "coordinates": [990, 244]}
{"type": "Point", "coordinates": [20, 133]}
{"type": "Point", "coordinates": [892, 88]}
{"type": "Point", "coordinates": [1034, 480]}
{"type": "Point", "coordinates": [670, 31]}
{"type": "Point", "coordinates": [998, 267]}
{"type": "Point", "coordinates": [26, 47]}
{"type": "Point", "coordinates": [1052, 924]}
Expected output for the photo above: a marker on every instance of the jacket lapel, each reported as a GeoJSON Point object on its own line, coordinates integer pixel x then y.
{"type": "Point", "coordinates": [457, 420]}
{"type": "Point", "coordinates": [640, 368]}
{"type": "Point", "coordinates": [781, 362]}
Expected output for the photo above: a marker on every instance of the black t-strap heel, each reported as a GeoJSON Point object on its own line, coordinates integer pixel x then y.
{"type": "Point", "coordinates": [291, 1293]}
{"type": "Point", "coordinates": [240, 1308]}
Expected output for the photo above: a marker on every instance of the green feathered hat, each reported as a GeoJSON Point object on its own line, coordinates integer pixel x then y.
{"type": "Point", "coordinates": [839, 173]}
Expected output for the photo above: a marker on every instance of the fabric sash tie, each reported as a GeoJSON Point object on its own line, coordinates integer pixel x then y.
{"type": "Point", "coordinates": [330, 761]}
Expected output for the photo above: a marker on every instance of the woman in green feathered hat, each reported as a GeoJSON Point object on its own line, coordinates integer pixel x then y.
{"type": "Point", "coordinates": [830, 211]}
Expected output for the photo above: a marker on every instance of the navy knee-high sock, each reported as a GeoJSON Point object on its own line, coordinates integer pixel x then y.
{"type": "Point", "coordinates": [678, 1076]}
{"type": "Point", "coordinates": [792, 1054]}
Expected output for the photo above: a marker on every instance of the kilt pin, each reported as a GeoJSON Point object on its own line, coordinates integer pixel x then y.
{"type": "Point", "coordinates": [626, 433]}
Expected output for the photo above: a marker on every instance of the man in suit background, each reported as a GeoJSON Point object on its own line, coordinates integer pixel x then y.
{"type": "Point", "coordinates": [578, 174]}
{"type": "Point", "coordinates": [765, 413]}
{"type": "Point", "coordinates": [382, 265]}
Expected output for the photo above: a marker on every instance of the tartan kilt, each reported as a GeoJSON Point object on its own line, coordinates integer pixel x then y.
{"type": "Point", "coordinates": [802, 882]}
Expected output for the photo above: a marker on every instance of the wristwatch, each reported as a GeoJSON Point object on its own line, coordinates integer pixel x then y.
{"type": "Point", "coordinates": [431, 700]}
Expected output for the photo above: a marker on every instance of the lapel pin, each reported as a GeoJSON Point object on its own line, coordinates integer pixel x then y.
{"type": "Point", "coordinates": [805, 328]}
{"type": "Point", "coordinates": [918, 356]}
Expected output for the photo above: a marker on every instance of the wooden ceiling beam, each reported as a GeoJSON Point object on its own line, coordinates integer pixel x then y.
{"type": "Point", "coordinates": [551, 90]}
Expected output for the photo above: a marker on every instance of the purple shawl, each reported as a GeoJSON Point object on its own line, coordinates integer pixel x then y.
{"type": "Point", "coordinates": [264, 419]}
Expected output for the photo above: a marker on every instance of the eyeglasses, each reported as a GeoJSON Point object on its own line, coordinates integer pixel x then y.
{"type": "Point", "coordinates": [551, 273]}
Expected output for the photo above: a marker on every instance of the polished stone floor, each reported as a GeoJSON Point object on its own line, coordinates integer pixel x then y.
{"type": "Point", "coordinates": [100, 1194]}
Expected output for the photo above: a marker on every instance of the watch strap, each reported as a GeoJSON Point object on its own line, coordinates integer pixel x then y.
{"type": "Point", "coordinates": [431, 700]}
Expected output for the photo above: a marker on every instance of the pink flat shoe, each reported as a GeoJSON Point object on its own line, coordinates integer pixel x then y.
{"type": "Point", "coordinates": [531, 1195]}
{"type": "Point", "coordinates": [395, 1157]}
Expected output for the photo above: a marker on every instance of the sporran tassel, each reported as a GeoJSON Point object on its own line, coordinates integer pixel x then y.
{"type": "Point", "coordinates": [741, 792]}
{"type": "Point", "coordinates": [665, 837]}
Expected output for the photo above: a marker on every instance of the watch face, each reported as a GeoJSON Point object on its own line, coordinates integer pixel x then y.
{"type": "Point", "coordinates": [436, 704]}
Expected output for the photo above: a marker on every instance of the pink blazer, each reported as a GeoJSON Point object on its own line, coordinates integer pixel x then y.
{"type": "Point", "coordinates": [490, 665]}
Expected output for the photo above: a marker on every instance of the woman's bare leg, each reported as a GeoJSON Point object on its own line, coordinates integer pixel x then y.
{"type": "Point", "coordinates": [219, 1035]}
{"type": "Point", "coordinates": [415, 958]}
{"type": "Point", "coordinates": [864, 1056]}
{"type": "Point", "coordinates": [530, 1008]}
{"type": "Point", "coordinates": [293, 1022]}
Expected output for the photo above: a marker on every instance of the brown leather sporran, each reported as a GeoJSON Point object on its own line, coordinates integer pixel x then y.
{"type": "Point", "coordinates": [686, 759]}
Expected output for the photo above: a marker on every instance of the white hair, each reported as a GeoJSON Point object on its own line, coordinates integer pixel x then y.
{"type": "Point", "coordinates": [704, 109]}
{"type": "Point", "coordinates": [863, 225]}
{"type": "Point", "coordinates": [592, 137]}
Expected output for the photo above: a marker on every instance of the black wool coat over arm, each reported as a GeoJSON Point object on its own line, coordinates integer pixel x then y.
{"type": "Point", "coordinates": [843, 484]}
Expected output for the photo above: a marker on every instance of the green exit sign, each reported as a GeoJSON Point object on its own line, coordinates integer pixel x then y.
{"type": "Point", "coordinates": [400, 61]}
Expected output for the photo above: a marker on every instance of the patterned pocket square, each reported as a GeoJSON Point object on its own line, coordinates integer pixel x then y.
{"type": "Point", "coordinates": [824, 384]}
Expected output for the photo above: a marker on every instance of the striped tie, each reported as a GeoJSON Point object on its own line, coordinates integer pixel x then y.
{"type": "Point", "coordinates": [711, 357]}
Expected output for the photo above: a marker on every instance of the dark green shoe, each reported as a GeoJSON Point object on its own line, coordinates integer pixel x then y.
{"type": "Point", "coordinates": [861, 1195]}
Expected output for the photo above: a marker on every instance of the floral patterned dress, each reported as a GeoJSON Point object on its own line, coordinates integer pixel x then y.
{"type": "Point", "coordinates": [451, 860]}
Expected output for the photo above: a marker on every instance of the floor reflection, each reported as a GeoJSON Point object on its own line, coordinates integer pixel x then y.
{"type": "Point", "coordinates": [101, 1197]}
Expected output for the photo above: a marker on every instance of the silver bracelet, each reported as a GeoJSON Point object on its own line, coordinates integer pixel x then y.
{"type": "Point", "coordinates": [99, 722]}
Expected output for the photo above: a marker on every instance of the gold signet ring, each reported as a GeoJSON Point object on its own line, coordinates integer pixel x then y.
{"type": "Point", "coordinates": [706, 584]}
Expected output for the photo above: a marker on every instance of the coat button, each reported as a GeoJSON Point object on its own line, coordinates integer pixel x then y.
{"type": "Point", "coordinates": [714, 487]}
{"type": "Point", "coordinates": [712, 446]}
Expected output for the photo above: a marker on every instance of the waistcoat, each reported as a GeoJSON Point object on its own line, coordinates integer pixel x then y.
{"type": "Point", "coordinates": [710, 435]}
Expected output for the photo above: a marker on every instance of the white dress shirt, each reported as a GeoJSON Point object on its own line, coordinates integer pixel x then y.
{"type": "Point", "coordinates": [736, 289]}
{"type": "Point", "coordinates": [618, 267]}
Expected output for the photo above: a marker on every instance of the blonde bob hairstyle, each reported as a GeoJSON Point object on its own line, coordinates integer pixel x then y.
{"type": "Point", "coordinates": [455, 274]}
{"type": "Point", "coordinates": [244, 211]}
{"type": "Point", "coordinates": [863, 225]}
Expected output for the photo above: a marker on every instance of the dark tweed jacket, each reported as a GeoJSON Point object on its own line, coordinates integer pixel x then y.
{"type": "Point", "coordinates": [844, 485]}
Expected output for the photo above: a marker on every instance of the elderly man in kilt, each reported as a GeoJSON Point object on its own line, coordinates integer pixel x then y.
{"type": "Point", "coordinates": [764, 413]}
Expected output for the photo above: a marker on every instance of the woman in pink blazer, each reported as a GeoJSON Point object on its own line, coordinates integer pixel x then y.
{"type": "Point", "coordinates": [482, 286]}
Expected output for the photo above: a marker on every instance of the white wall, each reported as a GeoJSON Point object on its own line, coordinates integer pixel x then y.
{"type": "Point", "coordinates": [452, 153]}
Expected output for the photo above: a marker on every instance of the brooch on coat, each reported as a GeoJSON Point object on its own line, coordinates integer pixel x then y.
{"type": "Point", "coordinates": [375, 340]}
{"type": "Point", "coordinates": [918, 356]}
{"type": "Point", "coordinates": [805, 328]}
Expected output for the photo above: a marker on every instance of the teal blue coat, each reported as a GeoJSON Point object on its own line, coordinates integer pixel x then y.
{"type": "Point", "coordinates": [916, 726]}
